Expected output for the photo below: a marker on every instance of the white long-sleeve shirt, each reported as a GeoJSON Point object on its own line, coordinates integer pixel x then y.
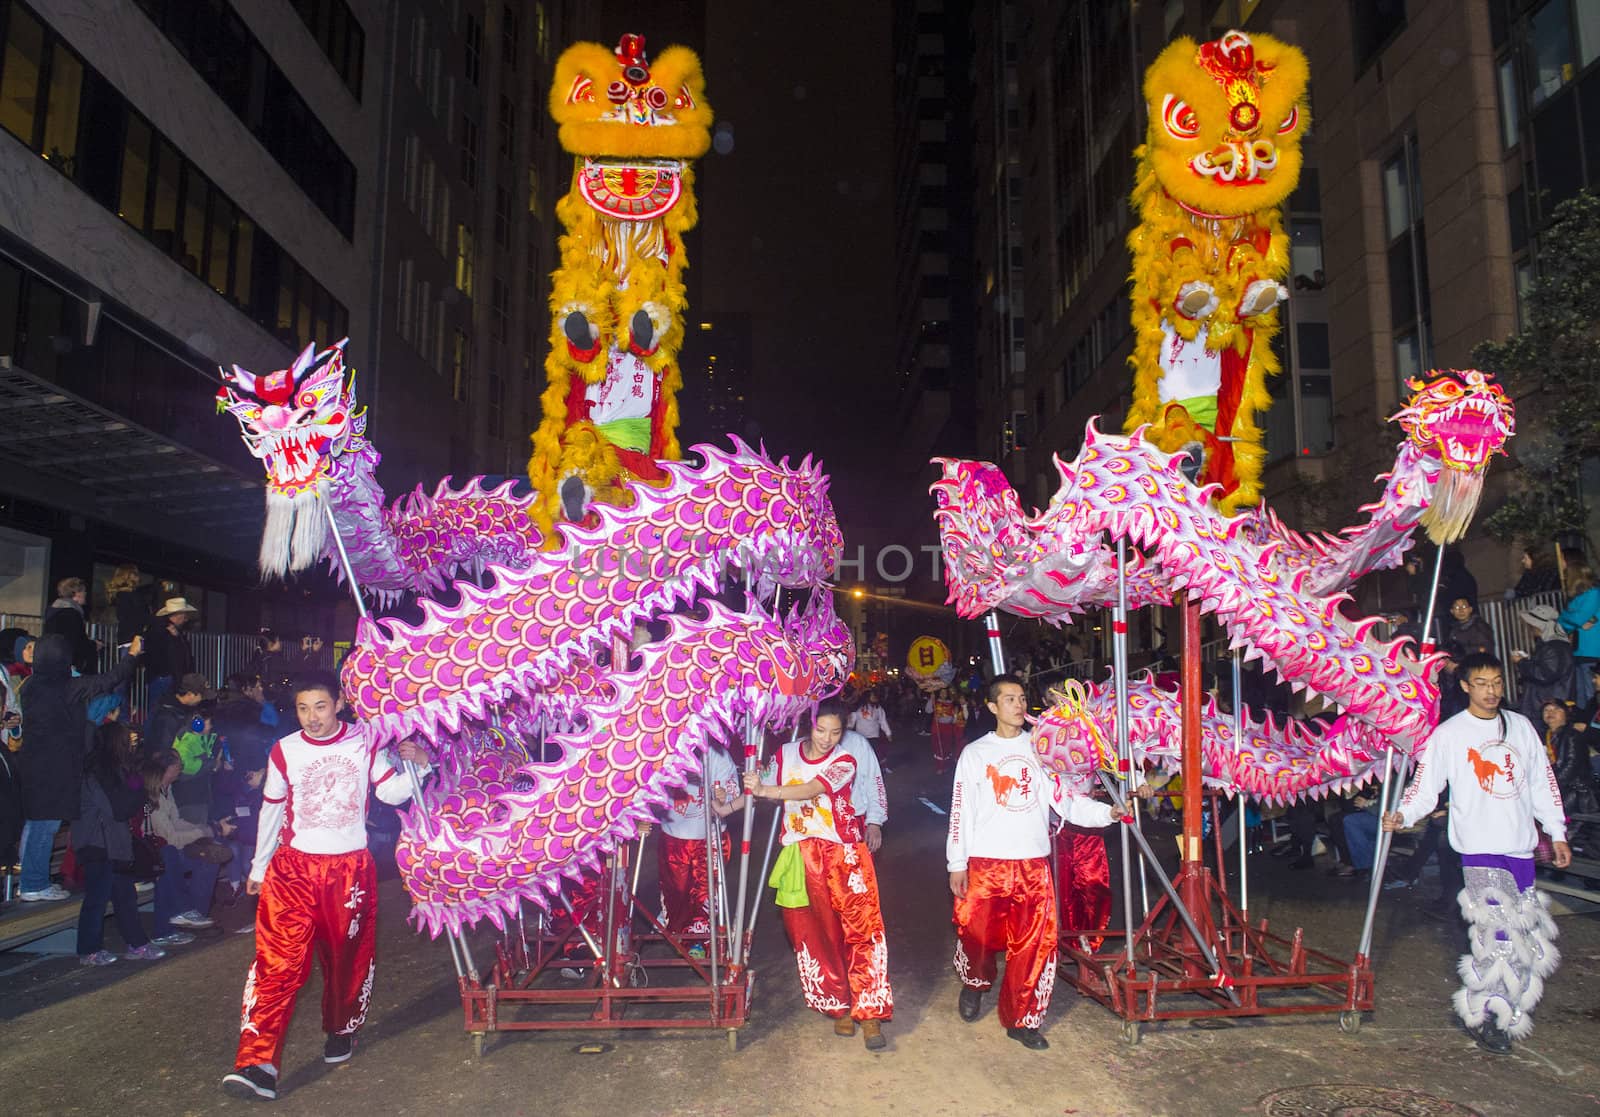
{"type": "Point", "coordinates": [868, 793]}
{"type": "Point", "coordinates": [1001, 804]}
{"type": "Point", "coordinates": [871, 721]}
{"type": "Point", "coordinates": [686, 816]}
{"type": "Point", "coordinates": [315, 795]}
{"type": "Point", "coordinates": [1500, 781]}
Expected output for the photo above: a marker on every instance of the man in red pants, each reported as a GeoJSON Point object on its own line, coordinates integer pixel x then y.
{"type": "Point", "coordinates": [681, 852]}
{"type": "Point", "coordinates": [998, 854]}
{"type": "Point", "coordinates": [317, 884]}
{"type": "Point", "coordinates": [1083, 878]}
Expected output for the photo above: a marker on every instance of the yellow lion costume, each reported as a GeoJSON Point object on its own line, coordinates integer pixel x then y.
{"type": "Point", "coordinates": [617, 301]}
{"type": "Point", "coordinates": [1221, 155]}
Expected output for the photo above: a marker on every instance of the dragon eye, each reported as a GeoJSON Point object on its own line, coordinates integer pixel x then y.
{"type": "Point", "coordinates": [1178, 118]}
{"type": "Point", "coordinates": [1290, 122]}
{"type": "Point", "coordinates": [308, 399]}
{"type": "Point", "coordinates": [616, 92]}
{"type": "Point", "coordinates": [657, 97]}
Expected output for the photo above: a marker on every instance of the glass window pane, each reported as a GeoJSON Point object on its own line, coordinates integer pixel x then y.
{"type": "Point", "coordinates": [19, 82]}
{"type": "Point", "coordinates": [1311, 345]}
{"type": "Point", "coordinates": [135, 188]}
{"type": "Point", "coordinates": [286, 290]}
{"type": "Point", "coordinates": [322, 302]}
{"type": "Point", "coordinates": [304, 303]}
{"type": "Point", "coordinates": [1549, 50]}
{"type": "Point", "coordinates": [1407, 357]}
{"type": "Point", "coordinates": [164, 206]}
{"type": "Point", "coordinates": [62, 109]}
{"type": "Point", "coordinates": [1396, 197]}
{"type": "Point", "coordinates": [1305, 255]}
{"type": "Point", "coordinates": [196, 193]}
{"type": "Point", "coordinates": [243, 259]}
{"type": "Point", "coordinates": [1556, 159]}
{"type": "Point", "coordinates": [217, 243]}
{"type": "Point", "coordinates": [1316, 414]}
{"type": "Point", "coordinates": [1588, 30]}
{"type": "Point", "coordinates": [1402, 283]}
{"type": "Point", "coordinates": [1278, 428]}
{"type": "Point", "coordinates": [341, 322]}
{"type": "Point", "coordinates": [1510, 124]}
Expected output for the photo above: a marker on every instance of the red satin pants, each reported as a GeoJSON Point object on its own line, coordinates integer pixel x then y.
{"type": "Point", "coordinates": [681, 868]}
{"type": "Point", "coordinates": [946, 743]}
{"type": "Point", "coordinates": [1083, 875]}
{"type": "Point", "coordinates": [839, 942]}
{"type": "Point", "coordinates": [326, 904]}
{"type": "Point", "coordinates": [1010, 909]}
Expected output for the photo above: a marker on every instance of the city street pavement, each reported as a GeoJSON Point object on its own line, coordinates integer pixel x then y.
{"type": "Point", "coordinates": [155, 1038]}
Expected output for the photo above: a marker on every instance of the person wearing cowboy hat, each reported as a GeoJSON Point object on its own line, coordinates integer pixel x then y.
{"type": "Point", "coordinates": [167, 654]}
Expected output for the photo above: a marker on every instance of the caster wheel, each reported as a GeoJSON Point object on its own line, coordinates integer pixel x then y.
{"type": "Point", "coordinates": [1130, 1032]}
{"type": "Point", "coordinates": [477, 1044]}
{"type": "Point", "coordinates": [1350, 1022]}
{"type": "Point", "coordinates": [733, 1039]}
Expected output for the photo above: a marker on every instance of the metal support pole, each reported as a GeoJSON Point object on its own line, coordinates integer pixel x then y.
{"type": "Point", "coordinates": [1380, 858]}
{"type": "Point", "coordinates": [752, 746]}
{"type": "Point", "coordinates": [997, 651]}
{"type": "Point", "coordinates": [1172, 896]}
{"type": "Point", "coordinates": [583, 932]}
{"type": "Point", "coordinates": [766, 864]}
{"type": "Point", "coordinates": [611, 963]}
{"type": "Point", "coordinates": [1119, 666]}
{"type": "Point", "coordinates": [1193, 782]}
{"type": "Point", "coordinates": [711, 871]}
{"type": "Point", "coordinates": [1238, 792]}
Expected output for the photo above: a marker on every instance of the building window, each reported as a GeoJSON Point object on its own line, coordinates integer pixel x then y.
{"type": "Point", "coordinates": [508, 126]}
{"type": "Point", "coordinates": [502, 216]}
{"type": "Point", "coordinates": [1550, 51]}
{"type": "Point", "coordinates": [425, 198]}
{"type": "Point", "coordinates": [1373, 26]}
{"type": "Point", "coordinates": [469, 152]}
{"type": "Point", "coordinates": [1408, 262]}
{"type": "Point", "coordinates": [534, 203]}
{"type": "Point", "coordinates": [24, 63]}
{"type": "Point", "coordinates": [497, 405]}
{"type": "Point", "coordinates": [1510, 103]}
{"type": "Point", "coordinates": [474, 48]}
{"type": "Point", "coordinates": [1305, 255]}
{"type": "Point", "coordinates": [508, 36]}
{"type": "Point", "coordinates": [499, 310]}
{"type": "Point", "coordinates": [460, 367]}
{"type": "Point", "coordinates": [541, 31]}
{"type": "Point", "coordinates": [404, 296]}
{"type": "Point", "coordinates": [61, 110]}
{"type": "Point", "coordinates": [464, 259]}
{"type": "Point", "coordinates": [339, 34]}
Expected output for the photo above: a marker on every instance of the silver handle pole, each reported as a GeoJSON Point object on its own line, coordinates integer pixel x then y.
{"type": "Point", "coordinates": [1238, 792]}
{"type": "Point", "coordinates": [1119, 666]}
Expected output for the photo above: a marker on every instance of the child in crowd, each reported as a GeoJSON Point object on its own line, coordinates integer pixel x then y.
{"type": "Point", "coordinates": [317, 883]}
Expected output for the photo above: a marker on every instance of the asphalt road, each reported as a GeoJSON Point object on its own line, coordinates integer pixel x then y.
{"type": "Point", "coordinates": [155, 1038]}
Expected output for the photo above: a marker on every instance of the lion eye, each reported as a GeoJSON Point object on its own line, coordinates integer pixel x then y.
{"type": "Point", "coordinates": [1290, 122]}
{"type": "Point", "coordinates": [1178, 118]}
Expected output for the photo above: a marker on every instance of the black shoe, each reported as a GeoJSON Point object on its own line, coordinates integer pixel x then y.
{"type": "Point", "coordinates": [574, 498]}
{"type": "Point", "coordinates": [1029, 1038]}
{"type": "Point", "coordinates": [251, 1082]}
{"type": "Point", "coordinates": [1302, 862]}
{"type": "Point", "coordinates": [1285, 849]}
{"type": "Point", "coordinates": [643, 331]}
{"type": "Point", "coordinates": [579, 333]}
{"type": "Point", "coordinates": [337, 1048]}
{"type": "Point", "coordinates": [1492, 1039]}
{"type": "Point", "coordinates": [970, 1006]}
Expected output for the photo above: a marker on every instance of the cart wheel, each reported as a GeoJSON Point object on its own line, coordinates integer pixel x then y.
{"type": "Point", "coordinates": [1130, 1032]}
{"type": "Point", "coordinates": [1350, 1022]}
{"type": "Point", "coordinates": [477, 1044]}
{"type": "Point", "coordinates": [733, 1039]}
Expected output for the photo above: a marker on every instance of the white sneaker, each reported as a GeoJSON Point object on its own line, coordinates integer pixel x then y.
{"type": "Point", "coordinates": [177, 938]}
{"type": "Point", "coordinates": [54, 892]}
{"type": "Point", "coordinates": [193, 920]}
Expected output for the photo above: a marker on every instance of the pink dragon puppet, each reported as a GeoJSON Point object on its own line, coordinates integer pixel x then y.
{"type": "Point", "coordinates": [555, 740]}
{"type": "Point", "coordinates": [1278, 594]}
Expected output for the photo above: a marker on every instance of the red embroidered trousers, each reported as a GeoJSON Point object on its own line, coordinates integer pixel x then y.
{"type": "Point", "coordinates": [681, 869]}
{"type": "Point", "coordinates": [1083, 874]}
{"type": "Point", "coordinates": [322, 904]}
{"type": "Point", "coordinates": [1010, 909]}
{"type": "Point", "coordinates": [946, 743]}
{"type": "Point", "coordinates": [839, 942]}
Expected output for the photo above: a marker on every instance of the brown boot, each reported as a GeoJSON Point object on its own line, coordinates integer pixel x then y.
{"type": "Point", "coordinates": [844, 1026]}
{"type": "Point", "coordinates": [872, 1033]}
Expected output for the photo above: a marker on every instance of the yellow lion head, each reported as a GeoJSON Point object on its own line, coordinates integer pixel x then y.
{"type": "Point", "coordinates": [618, 103]}
{"type": "Point", "coordinates": [1226, 120]}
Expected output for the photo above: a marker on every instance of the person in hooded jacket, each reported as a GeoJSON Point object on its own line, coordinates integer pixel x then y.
{"type": "Point", "coordinates": [112, 794]}
{"type": "Point", "coordinates": [55, 722]}
{"type": "Point", "coordinates": [1548, 672]}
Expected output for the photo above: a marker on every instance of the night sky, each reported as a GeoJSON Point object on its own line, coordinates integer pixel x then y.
{"type": "Point", "coordinates": [796, 221]}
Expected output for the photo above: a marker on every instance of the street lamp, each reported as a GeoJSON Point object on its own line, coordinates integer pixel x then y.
{"type": "Point", "coordinates": [858, 593]}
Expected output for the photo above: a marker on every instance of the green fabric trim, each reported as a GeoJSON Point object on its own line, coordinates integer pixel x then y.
{"type": "Point", "coordinates": [634, 434]}
{"type": "Point", "coordinates": [789, 878]}
{"type": "Point", "coordinates": [1202, 409]}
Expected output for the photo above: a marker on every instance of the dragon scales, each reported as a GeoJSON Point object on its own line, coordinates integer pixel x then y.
{"type": "Point", "coordinates": [1277, 593]}
{"type": "Point", "coordinates": [559, 726]}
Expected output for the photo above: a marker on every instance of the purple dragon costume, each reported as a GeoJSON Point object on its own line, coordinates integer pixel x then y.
{"type": "Point", "coordinates": [534, 658]}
